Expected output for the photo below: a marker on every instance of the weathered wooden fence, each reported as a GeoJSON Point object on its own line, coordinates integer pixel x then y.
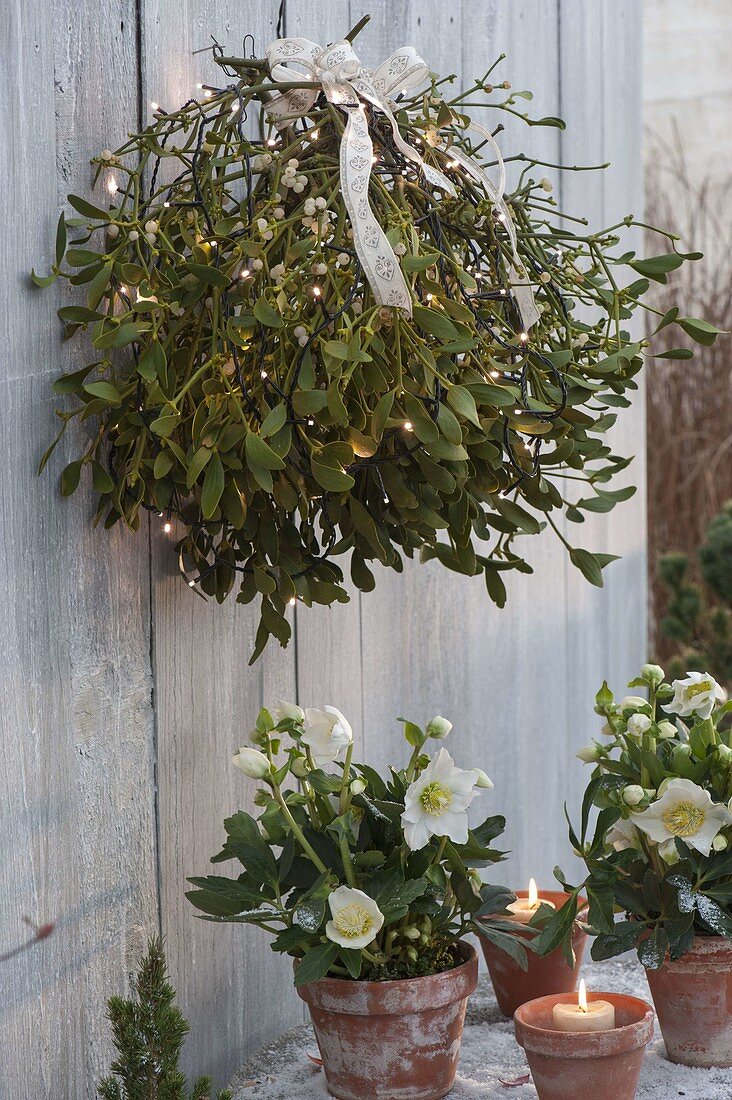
{"type": "Point", "coordinates": [123, 695]}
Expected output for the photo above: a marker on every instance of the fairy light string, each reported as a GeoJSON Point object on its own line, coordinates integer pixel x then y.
{"type": "Point", "coordinates": [220, 193]}
{"type": "Point", "coordinates": [396, 166]}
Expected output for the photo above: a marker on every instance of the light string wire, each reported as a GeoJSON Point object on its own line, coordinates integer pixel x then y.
{"type": "Point", "coordinates": [399, 166]}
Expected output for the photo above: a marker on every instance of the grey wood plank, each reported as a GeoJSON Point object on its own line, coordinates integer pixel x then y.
{"type": "Point", "coordinates": [77, 778]}
{"type": "Point", "coordinates": [627, 588]}
{"type": "Point", "coordinates": [329, 639]}
{"type": "Point", "coordinates": [234, 990]}
{"type": "Point", "coordinates": [581, 194]}
{"type": "Point", "coordinates": [432, 641]}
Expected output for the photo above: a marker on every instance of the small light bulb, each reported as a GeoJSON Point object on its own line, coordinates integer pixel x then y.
{"type": "Point", "coordinates": [429, 297]}
{"type": "Point", "coordinates": [191, 584]}
{"type": "Point", "coordinates": [245, 273]}
{"type": "Point", "coordinates": [310, 421]}
{"type": "Point", "coordinates": [160, 514]}
{"type": "Point", "coordinates": [263, 374]}
{"type": "Point", "coordinates": [503, 293]}
{"type": "Point", "coordinates": [154, 106]}
{"type": "Point", "coordinates": [495, 374]}
{"type": "Point", "coordinates": [524, 337]}
{"type": "Point", "coordinates": [386, 498]}
{"type": "Point", "coordinates": [314, 135]}
{"type": "Point", "coordinates": [167, 527]}
{"type": "Point", "coordinates": [112, 185]}
{"type": "Point", "coordinates": [235, 107]}
{"type": "Point", "coordinates": [408, 426]}
{"type": "Point", "coordinates": [166, 204]}
{"type": "Point", "coordinates": [517, 412]}
{"type": "Point", "coordinates": [317, 292]}
{"type": "Point", "coordinates": [271, 142]}
{"type": "Point", "coordinates": [292, 601]}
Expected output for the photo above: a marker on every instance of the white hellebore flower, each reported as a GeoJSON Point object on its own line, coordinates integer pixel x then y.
{"type": "Point", "coordinates": [327, 734]}
{"type": "Point", "coordinates": [634, 701]}
{"type": "Point", "coordinates": [687, 811]}
{"type": "Point", "coordinates": [638, 724]}
{"type": "Point", "coordinates": [623, 835]}
{"type": "Point", "coordinates": [292, 711]}
{"type": "Point", "coordinates": [436, 802]}
{"type": "Point", "coordinates": [666, 730]}
{"type": "Point", "coordinates": [633, 794]}
{"type": "Point", "coordinates": [356, 918]}
{"type": "Point", "coordinates": [438, 728]}
{"type": "Point", "coordinates": [252, 762]}
{"type": "Point", "coordinates": [697, 695]}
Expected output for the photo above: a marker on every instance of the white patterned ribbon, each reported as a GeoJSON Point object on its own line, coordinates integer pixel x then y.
{"type": "Point", "coordinates": [520, 285]}
{"type": "Point", "coordinates": [346, 82]}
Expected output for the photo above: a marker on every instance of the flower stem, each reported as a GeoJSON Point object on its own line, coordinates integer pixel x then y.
{"type": "Point", "coordinates": [297, 831]}
{"type": "Point", "coordinates": [346, 860]}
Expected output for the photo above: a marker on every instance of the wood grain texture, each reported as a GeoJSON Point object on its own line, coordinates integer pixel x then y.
{"type": "Point", "coordinates": [329, 638]}
{"type": "Point", "coordinates": [623, 194]}
{"type": "Point", "coordinates": [105, 814]}
{"type": "Point", "coordinates": [77, 782]}
{"type": "Point", "coordinates": [235, 992]}
{"type": "Point", "coordinates": [581, 194]}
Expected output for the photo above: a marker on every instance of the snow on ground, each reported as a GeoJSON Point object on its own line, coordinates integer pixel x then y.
{"type": "Point", "coordinates": [490, 1055]}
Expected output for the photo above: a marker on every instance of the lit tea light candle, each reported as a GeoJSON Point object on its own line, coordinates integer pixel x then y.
{"type": "Point", "coordinates": [584, 1016]}
{"type": "Point", "coordinates": [523, 909]}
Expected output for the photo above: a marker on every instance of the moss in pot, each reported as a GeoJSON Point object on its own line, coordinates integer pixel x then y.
{"type": "Point", "coordinates": [660, 858]}
{"type": "Point", "coordinates": [370, 884]}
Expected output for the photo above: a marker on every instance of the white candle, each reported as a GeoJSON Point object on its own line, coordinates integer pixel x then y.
{"type": "Point", "coordinates": [585, 1015]}
{"type": "Point", "coordinates": [523, 909]}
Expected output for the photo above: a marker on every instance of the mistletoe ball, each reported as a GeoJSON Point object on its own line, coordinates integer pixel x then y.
{"type": "Point", "coordinates": [339, 339]}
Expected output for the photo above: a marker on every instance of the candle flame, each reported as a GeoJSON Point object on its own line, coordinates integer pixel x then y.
{"type": "Point", "coordinates": [533, 894]}
{"type": "Point", "coordinates": [582, 996]}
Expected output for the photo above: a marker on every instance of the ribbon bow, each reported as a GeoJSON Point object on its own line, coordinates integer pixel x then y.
{"type": "Point", "coordinates": [346, 82]}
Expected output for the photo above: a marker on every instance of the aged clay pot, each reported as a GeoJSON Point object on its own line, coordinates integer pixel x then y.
{"type": "Point", "coordinates": [548, 974]}
{"type": "Point", "coordinates": [395, 1040]}
{"type": "Point", "coordinates": [693, 1001]}
{"type": "Point", "coordinates": [603, 1065]}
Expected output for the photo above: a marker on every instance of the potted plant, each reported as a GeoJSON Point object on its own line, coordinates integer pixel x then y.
{"type": "Point", "coordinates": [660, 853]}
{"type": "Point", "coordinates": [370, 884]}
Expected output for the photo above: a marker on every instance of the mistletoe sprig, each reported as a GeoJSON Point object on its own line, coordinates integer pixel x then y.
{"type": "Point", "coordinates": [245, 385]}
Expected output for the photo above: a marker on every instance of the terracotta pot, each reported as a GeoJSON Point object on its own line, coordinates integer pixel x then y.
{"type": "Point", "coordinates": [693, 1001]}
{"type": "Point", "coordinates": [545, 974]}
{"type": "Point", "coordinates": [603, 1065]}
{"type": "Point", "coordinates": [395, 1040]}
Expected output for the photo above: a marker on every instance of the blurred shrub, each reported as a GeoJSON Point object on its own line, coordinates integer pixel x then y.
{"type": "Point", "coordinates": [698, 618]}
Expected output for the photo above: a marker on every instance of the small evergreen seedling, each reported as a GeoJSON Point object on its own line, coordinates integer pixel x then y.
{"type": "Point", "coordinates": [149, 1032]}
